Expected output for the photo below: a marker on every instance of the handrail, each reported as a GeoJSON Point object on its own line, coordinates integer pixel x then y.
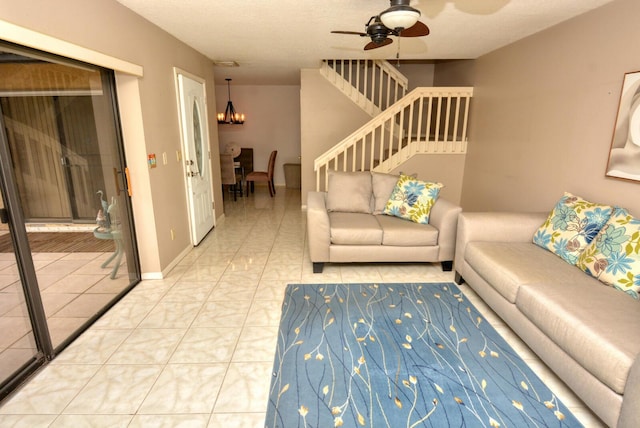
{"type": "Point", "coordinates": [426, 120]}
{"type": "Point", "coordinates": [372, 84]}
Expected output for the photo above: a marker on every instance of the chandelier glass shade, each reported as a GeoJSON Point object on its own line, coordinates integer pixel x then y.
{"type": "Point", "coordinates": [230, 116]}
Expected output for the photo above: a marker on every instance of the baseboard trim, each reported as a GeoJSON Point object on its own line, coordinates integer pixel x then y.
{"type": "Point", "coordinates": [151, 275]}
{"type": "Point", "coordinates": [167, 270]}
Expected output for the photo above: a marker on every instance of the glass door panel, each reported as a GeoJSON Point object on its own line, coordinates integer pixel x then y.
{"type": "Point", "coordinates": [64, 154]}
{"type": "Point", "coordinates": [30, 123]}
{"type": "Point", "coordinates": [81, 158]}
{"type": "Point", "coordinates": [17, 343]}
{"type": "Point", "coordinates": [19, 351]}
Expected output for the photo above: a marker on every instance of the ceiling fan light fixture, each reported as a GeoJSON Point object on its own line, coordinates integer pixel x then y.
{"type": "Point", "coordinates": [400, 15]}
{"type": "Point", "coordinates": [400, 20]}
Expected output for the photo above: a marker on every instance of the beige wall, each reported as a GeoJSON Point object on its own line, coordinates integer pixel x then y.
{"type": "Point", "coordinates": [105, 26]}
{"type": "Point", "coordinates": [543, 114]}
{"type": "Point", "coordinates": [417, 73]}
{"type": "Point", "coordinates": [272, 123]}
{"type": "Point", "coordinates": [327, 116]}
{"type": "Point", "coordinates": [454, 73]}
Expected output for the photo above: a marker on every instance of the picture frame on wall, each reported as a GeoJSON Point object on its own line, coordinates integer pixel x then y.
{"type": "Point", "coordinates": [624, 154]}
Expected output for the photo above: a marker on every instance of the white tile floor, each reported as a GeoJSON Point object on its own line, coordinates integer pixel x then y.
{"type": "Point", "coordinates": [196, 349]}
{"type": "Point", "coordinates": [74, 287]}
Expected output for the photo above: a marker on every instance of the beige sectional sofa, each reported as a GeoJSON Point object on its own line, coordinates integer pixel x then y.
{"type": "Point", "coordinates": [346, 225]}
{"type": "Point", "coordinates": [585, 331]}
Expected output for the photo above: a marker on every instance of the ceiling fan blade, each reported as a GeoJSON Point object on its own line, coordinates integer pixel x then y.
{"type": "Point", "coordinates": [417, 30]}
{"type": "Point", "coordinates": [355, 33]}
{"type": "Point", "coordinates": [374, 45]}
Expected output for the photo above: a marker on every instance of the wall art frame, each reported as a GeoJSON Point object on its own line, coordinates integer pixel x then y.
{"type": "Point", "coordinates": [624, 153]}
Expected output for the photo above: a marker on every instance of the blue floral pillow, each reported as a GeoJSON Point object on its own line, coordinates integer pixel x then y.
{"type": "Point", "coordinates": [412, 199]}
{"type": "Point", "coordinates": [614, 254]}
{"type": "Point", "coordinates": [571, 226]}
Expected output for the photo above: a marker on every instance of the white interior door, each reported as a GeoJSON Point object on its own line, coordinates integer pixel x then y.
{"type": "Point", "coordinates": [195, 138]}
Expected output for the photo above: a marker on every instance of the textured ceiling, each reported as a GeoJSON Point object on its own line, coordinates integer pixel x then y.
{"type": "Point", "coordinates": [272, 40]}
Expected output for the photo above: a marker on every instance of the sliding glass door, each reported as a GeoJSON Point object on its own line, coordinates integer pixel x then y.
{"type": "Point", "coordinates": [67, 251]}
{"type": "Point", "coordinates": [19, 350]}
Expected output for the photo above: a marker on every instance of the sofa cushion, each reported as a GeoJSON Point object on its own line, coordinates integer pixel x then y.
{"type": "Point", "coordinates": [509, 265]}
{"type": "Point", "coordinates": [354, 229]}
{"type": "Point", "coordinates": [403, 233]}
{"type": "Point", "coordinates": [383, 185]}
{"type": "Point", "coordinates": [614, 254]}
{"type": "Point", "coordinates": [349, 191]}
{"type": "Point", "coordinates": [594, 324]}
{"type": "Point", "coordinates": [412, 199]}
{"type": "Point", "coordinates": [571, 225]}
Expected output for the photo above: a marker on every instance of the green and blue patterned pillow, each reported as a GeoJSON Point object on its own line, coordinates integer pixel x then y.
{"type": "Point", "coordinates": [614, 254]}
{"type": "Point", "coordinates": [571, 226]}
{"type": "Point", "coordinates": [412, 199]}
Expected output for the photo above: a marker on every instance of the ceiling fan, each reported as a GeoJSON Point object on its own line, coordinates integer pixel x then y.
{"type": "Point", "coordinates": [399, 20]}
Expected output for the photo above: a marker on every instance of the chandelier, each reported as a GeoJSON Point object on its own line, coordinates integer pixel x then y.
{"type": "Point", "coordinates": [230, 116]}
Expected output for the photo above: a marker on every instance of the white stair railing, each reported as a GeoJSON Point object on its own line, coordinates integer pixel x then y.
{"type": "Point", "coordinates": [430, 120]}
{"type": "Point", "coordinates": [374, 85]}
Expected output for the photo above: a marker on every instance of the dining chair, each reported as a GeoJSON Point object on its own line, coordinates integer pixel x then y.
{"type": "Point", "coordinates": [228, 174]}
{"type": "Point", "coordinates": [264, 176]}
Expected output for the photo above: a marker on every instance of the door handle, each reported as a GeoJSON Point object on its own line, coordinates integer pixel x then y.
{"type": "Point", "coordinates": [126, 175]}
{"type": "Point", "coordinates": [127, 179]}
{"type": "Point", "coordinates": [115, 179]}
{"type": "Point", "coordinates": [4, 216]}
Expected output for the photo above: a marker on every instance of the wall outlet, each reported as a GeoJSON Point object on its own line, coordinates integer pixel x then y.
{"type": "Point", "coordinates": [164, 158]}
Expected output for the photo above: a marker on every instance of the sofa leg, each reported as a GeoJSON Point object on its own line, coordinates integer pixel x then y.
{"type": "Point", "coordinates": [447, 266]}
{"type": "Point", "coordinates": [317, 267]}
{"type": "Point", "coordinates": [459, 279]}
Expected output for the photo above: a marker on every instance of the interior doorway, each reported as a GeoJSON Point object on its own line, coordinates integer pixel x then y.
{"type": "Point", "coordinates": [195, 141]}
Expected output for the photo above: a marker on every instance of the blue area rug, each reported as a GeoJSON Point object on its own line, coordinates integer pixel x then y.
{"type": "Point", "coordinates": [399, 355]}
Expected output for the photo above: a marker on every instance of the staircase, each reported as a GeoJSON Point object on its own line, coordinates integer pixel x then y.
{"type": "Point", "coordinates": [372, 84]}
{"type": "Point", "coordinates": [427, 120]}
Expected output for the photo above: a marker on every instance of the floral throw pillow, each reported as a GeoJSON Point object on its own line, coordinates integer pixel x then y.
{"type": "Point", "coordinates": [412, 199]}
{"type": "Point", "coordinates": [614, 254]}
{"type": "Point", "coordinates": [571, 226]}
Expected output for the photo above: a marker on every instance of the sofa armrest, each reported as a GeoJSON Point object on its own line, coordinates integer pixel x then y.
{"type": "Point", "coordinates": [630, 412]}
{"type": "Point", "coordinates": [444, 217]}
{"type": "Point", "coordinates": [318, 227]}
{"type": "Point", "coordinates": [496, 227]}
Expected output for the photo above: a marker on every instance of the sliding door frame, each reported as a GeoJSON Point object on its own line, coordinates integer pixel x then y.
{"type": "Point", "coordinates": [45, 350]}
{"type": "Point", "coordinates": [26, 270]}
